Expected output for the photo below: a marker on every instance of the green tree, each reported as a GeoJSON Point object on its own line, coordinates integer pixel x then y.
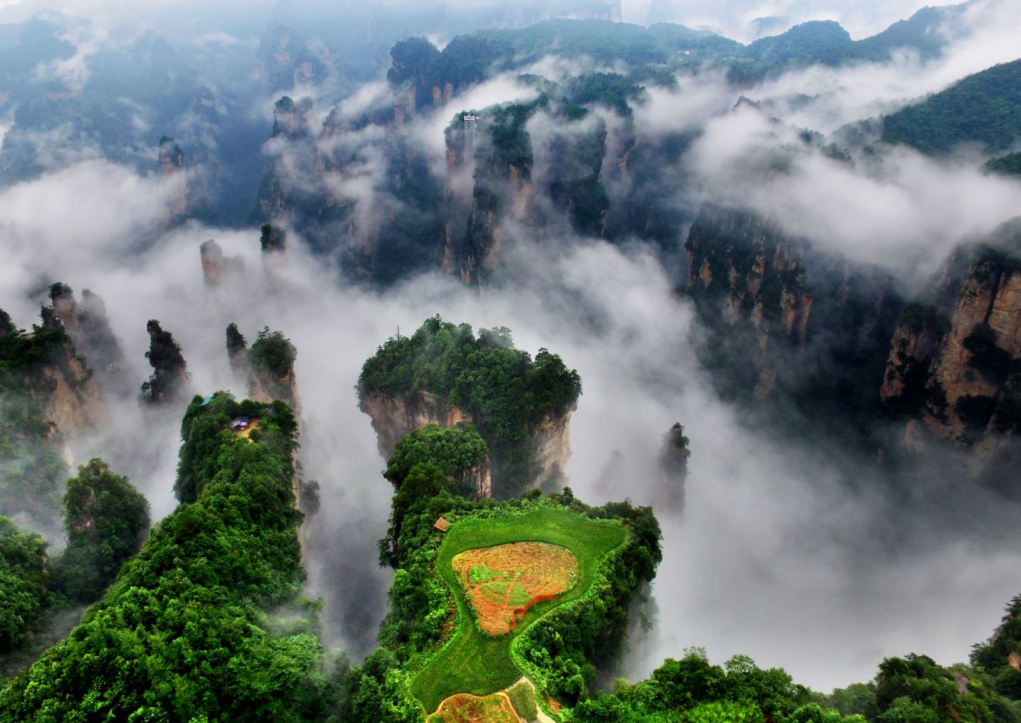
{"type": "Point", "coordinates": [22, 583]}
{"type": "Point", "coordinates": [273, 352]}
{"type": "Point", "coordinates": [106, 520]}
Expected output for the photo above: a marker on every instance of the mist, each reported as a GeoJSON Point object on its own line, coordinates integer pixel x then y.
{"type": "Point", "coordinates": [774, 555]}
{"type": "Point", "coordinates": [792, 552]}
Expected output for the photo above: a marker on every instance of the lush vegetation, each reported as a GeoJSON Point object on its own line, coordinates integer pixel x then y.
{"type": "Point", "coordinates": [506, 393]}
{"type": "Point", "coordinates": [272, 351]}
{"type": "Point", "coordinates": [106, 520]}
{"type": "Point", "coordinates": [183, 635]}
{"type": "Point", "coordinates": [456, 668]}
{"type": "Point", "coordinates": [32, 468]}
{"type": "Point", "coordinates": [424, 462]}
{"type": "Point", "coordinates": [1000, 656]}
{"type": "Point", "coordinates": [983, 108]}
{"type": "Point", "coordinates": [1009, 165]}
{"type": "Point", "coordinates": [22, 583]}
{"type": "Point", "coordinates": [913, 689]}
{"type": "Point", "coordinates": [431, 646]}
{"type": "Point", "coordinates": [452, 450]}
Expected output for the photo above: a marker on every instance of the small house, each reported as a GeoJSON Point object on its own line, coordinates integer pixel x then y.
{"type": "Point", "coordinates": [239, 424]}
{"type": "Point", "coordinates": [442, 525]}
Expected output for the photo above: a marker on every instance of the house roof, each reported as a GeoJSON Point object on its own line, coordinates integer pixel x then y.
{"type": "Point", "coordinates": [442, 525]}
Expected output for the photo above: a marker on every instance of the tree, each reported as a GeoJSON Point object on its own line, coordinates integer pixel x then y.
{"type": "Point", "coordinates": [22, 583]}
{"type": "Point", "coordinates": [273, 238]}
{"type": "Point", "coordinates": [106, 520]}
{"type": "Point", "coordinates": [272, 351]}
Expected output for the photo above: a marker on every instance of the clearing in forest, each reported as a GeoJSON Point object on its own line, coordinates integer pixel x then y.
{"type": "Point", "coordinates": [503, 582]}
{"type": "Point", "coordinates": [475, 661]}
{"type": "Point", "coordinates": [466, 708]}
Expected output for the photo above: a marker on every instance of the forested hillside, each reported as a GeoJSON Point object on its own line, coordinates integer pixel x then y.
{"type": "Point", "coordinates": [185, 633]}
{"type": "Point", "coordinates": [984, 108]}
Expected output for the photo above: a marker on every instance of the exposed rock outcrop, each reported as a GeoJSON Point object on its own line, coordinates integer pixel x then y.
{"type": "Point", "coordinates": [550, 444]}
{"type": "Point", "coordinates": [394, 417]}
{"type": "Point", "coordinates": [68, 390]}
{"type": "Point", "coordinates": [292, 186]}
{"type": "Point", "coordinates": [170, 381]}
{"type": "Point", "coordinates": [955, 361]}
{"type": "Point", "coordinates": [478, 477]}
{"type": "Point", "coordinates": [216, 267]}
{"type": "Point", "coordinates": [672, 468]}
{"type": "Point", "coordinates": [89, 328]}
{"type": "Point", "coordinates": [548, 447]}
{"type": "Point", "coordinates": [783, 316]}
{"type": "Point", "coordinates": [267, 368]}
{"type": "Point", "coordinates": [287, 61]}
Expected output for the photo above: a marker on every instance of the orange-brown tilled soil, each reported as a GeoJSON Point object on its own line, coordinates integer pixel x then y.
{"type": "Point", "coordinates": [465, 708]}
{"type": "Point", "coordinates": [503, 582]}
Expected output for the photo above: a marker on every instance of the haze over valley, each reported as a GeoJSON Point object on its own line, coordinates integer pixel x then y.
{"type": "Point", "coordinates": [744, 274]}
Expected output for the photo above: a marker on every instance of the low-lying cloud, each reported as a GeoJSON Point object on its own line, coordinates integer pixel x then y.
{"type": "Point", "coordinates": [773, 556]}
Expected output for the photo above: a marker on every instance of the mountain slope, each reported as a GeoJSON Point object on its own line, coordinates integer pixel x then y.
{"type": "Point", "coordinates": [983, 108]}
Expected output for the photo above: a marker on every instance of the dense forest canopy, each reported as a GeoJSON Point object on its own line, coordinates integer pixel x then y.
{"type": "Point", "coordinates": [984, 108]}
{"type": "Point", "coordinates": [183, 633]}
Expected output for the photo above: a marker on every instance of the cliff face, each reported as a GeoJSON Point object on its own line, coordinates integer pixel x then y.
{"type": "Point", "coordinates": [216, 266]}
{"type": "Point", "coordinates": [70, 395]}
{"type": "Point", "coordinates": [955, 362]}
{"type": "Point", "coordinates": [479, 478]}
{"type": "Point", "coordinates": [783, 316]}
{"type": "Point", "coordinates": [393, 417]}
{"type": "Point", "coordinates": [749, 270]}
{"type": "Point", "coordinates": [498, 172]}
{"type": "Point", "coordinates": [291, 187]}
{"type": "Point", "coordinates": [551, 448]}
{"type": "Point", "coordinates": [89, 328]}
{"type": "Point", "coordinates": [672, 469]}
{"type": "Point", "coordinates": [287, 61]}
{"type": "Point", "coordinates": [267, 369]}
{"type": "Point", "coordinates": [265, 386]}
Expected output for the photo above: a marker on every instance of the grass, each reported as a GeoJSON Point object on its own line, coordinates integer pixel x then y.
{"type": "Point", "coordinates": [479, 664]}
{"type": "Point", "coordinates": [522, 697]}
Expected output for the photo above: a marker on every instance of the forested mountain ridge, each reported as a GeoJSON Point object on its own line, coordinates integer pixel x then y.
{"type": "Point", "coordinates": [984, 108]}
{"type": "Point", "coordinates": [183, 633]}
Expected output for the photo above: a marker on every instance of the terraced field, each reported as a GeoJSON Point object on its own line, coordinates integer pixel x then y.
{"type": "Point", "coordinates": [466, 708]}
{"type": "Point", "coordinates": [476, 662]}
{"type": "Point", "coordinates": [503, 582]}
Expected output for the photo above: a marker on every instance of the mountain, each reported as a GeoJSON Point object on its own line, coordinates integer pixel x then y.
{"type": "Point", "coordinates": [984, 108]}
{"type": "Point", "coordinates": [446, 376]}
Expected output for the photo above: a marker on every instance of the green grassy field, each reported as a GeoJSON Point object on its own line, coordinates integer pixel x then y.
{"type": "Point", "coordinates": [475, 662]}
